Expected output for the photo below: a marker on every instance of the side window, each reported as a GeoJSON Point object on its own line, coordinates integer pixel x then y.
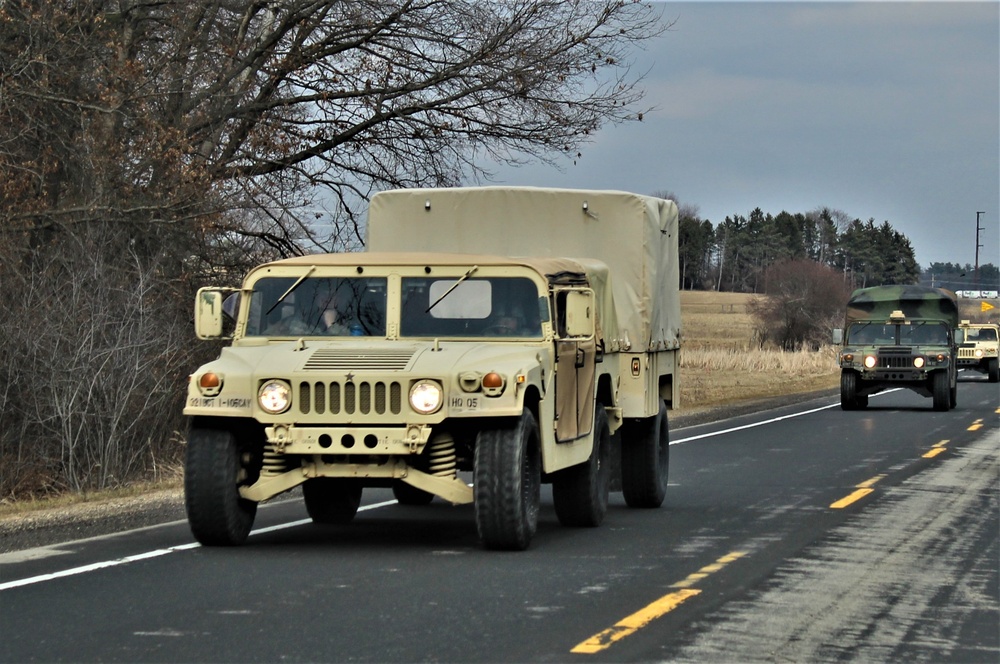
{"type": "Point", "coordinates": [560, 308]}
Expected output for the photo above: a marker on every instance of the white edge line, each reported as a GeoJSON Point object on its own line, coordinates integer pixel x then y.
{"type": "Point", "coordinates": [770, 421]}
{"type": "Point", "coordinates": [751, 426]}
{"type": "Point", "coordinates": [157, 553]}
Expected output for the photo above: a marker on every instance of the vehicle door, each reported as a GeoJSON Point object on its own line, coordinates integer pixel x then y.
{"type": "Point", "coordinates": [576, 362]}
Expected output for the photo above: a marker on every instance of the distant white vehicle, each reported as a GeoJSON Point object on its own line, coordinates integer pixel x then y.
{"type": "Point", "coordinates": [978, 294]}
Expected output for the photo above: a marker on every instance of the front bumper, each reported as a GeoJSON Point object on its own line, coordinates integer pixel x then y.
{"type": "Point", "coordinates": [895, 375]}
{"type": "Point", "coordinates": [377, 440]}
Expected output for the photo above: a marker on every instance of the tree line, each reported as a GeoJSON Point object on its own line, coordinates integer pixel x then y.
{"type": "Point", "coordinates": [957, 277]}
{"type": "Point", "coordinates": [735, 255]}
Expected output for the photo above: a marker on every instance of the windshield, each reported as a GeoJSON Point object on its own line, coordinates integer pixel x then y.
{"type": "Point", "coordinates": [976, 334]}
{"type": "Point", "coordinates": [487, 307]}
{"type": "Point", "coordinates": [318, 306]}
{"type": "Point", "coordinates": [917, 334]}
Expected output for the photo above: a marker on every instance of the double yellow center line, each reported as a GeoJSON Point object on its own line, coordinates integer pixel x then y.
{"type": "Point", "coordinates": [862, 490]}
{"type": "Point", "coordinates": [865, 488]}
{"type": "Point", "coordinates": [651, 612]}
{"type": "Point", "coordinates": [633, 623]}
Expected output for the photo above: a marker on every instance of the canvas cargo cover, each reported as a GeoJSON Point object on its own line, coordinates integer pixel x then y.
{"type": "Point", "coordinates": [634, 235]}
{"type": "Point", "coordinates": [878, 303]}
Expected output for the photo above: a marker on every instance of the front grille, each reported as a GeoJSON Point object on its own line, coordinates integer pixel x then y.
{"type": "Point", "coordinates": [967, 353]}
{"type": "Point", "coordinates": [895, 362]}
{"type": "Point", "coordinates": [895, 358]}
{"type": "Point", "coordinates": [337, 359]}
{"type": "Point", "coordinates": [350, 397]}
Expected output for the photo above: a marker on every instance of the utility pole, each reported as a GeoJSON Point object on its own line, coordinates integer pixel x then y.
{"type": "Point", "coordinates": [978, 228]}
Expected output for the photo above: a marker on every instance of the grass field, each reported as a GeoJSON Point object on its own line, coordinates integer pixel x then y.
{"type": "Point", "coordinates": [722, 364]}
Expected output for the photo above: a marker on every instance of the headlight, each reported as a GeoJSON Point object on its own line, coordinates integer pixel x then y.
{"type": "Point", "coordinates": [275, 396]}
{"type": "Point", "coordinates": [918, 362]}
{"type": "Point", "coordinates": [426, 397]}
{"type": "Point", "coordinates": [870, 361]}
{"type": "Point", "coordinates": [979, 352]}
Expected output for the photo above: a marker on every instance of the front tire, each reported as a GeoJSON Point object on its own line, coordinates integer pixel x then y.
{"type": "Point", "coordinates": [581, 492]}
{"type": "Point", "coordinates": [941, 390]}
{"type": "Point", "coordinates": [993, 369]}
{"type": "Point", "coordinates": [332, 500]}
{"type": "Point", "coordinates": [646, 460]}
{"type": "Point", "coordinates": [849, 399]}
{"type": "Point", "coordinates": [217, 514]}
{"type": "Point", "coordinates": [507, 484]}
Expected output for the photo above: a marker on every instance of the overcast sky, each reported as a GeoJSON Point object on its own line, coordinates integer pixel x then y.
{"type": "Point", "coordinates": [884, 110]}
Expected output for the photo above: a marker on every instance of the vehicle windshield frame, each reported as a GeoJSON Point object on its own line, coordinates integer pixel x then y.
{"type": "Point", "coordinates": [914, 333]}
{"type": "Point", "coordinates": [323, 305]}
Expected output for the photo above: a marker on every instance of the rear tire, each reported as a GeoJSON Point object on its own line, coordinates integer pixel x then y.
{"type": "Point", "coordinates": [941, 390]}
{"type": "Point", "coordinates": [217, 514]}
{"type": "Point", "coordinates": [646, 460]}
{"type": "Point", "coordinates": [332, 500]}
{"type": "Point", "coordinates": [993, 369]}
{"type": "Point", "coordinates": [581, 492]}
{"type": "Point", "coordinates": [507, 484]}
{"type": "Point", "coordinates": [407, 494]}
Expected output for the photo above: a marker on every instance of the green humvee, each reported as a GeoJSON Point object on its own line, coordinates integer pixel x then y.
{"type": "Point", "coordinates": [978, 346]}
{"type": "Point", "coordinates": [899, 336]}
{"type": "Point", "coordinates": [548, 356]}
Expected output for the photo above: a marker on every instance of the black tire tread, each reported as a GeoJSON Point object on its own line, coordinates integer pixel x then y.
{"type": "Point", "coordinates": [217, 514]}
{"type": "Point", "coordinates": [645, 460]}
{"type": "Point", "coordinates": [506, 510]}
{"type": "Point", "coordinates": [580, 493]}
{"type": "Point", "coordinates": [940, 390]}
{"type": "Point", "coordinates": [332, 500]}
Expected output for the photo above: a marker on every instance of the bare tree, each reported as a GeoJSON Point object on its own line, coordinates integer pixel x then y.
{"type": "Point", "coordinates": [149, 147]}
{"type": "Point", "coordinates": [139, 110]}
{"type": "Point", "coordinates": [93, 367]}
{"type": "Point", "coordinates": [803, 303]}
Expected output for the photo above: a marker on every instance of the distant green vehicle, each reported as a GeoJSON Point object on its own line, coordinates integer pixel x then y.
{"type": "Point", "coordinates": [979, 348]}
{"type": "Point", "coordinates": [899, 336]}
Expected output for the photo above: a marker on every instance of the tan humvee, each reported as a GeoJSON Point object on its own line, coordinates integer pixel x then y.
{"type": "Point", "coordinates": [422, 370]}
{"type": "Point", "coordinates": [979, 348]}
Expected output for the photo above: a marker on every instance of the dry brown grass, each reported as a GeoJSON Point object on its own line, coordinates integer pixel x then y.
{"type": "Point", "coordinates": [721, 362]}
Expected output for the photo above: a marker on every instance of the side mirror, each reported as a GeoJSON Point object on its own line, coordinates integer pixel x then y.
{"type": "Point", "coordinates": [580, 314]}
{"type": "Point", "coordinates": [838, 336]}
{"type": "Point", "coordinates": [208, 313]}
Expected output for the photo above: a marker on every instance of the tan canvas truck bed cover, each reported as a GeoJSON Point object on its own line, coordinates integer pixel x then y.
{"type": "Point", "coordinates": [634, 235]}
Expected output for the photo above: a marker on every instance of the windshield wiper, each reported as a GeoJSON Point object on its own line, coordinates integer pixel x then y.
{"type": "Point", "coordinates": [312, 268]}
{"type": "Point", "coordinates": [454, 286]}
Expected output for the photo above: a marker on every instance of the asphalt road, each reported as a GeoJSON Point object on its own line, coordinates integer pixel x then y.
{"type": "Point", "coordinates": [799, 534]}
